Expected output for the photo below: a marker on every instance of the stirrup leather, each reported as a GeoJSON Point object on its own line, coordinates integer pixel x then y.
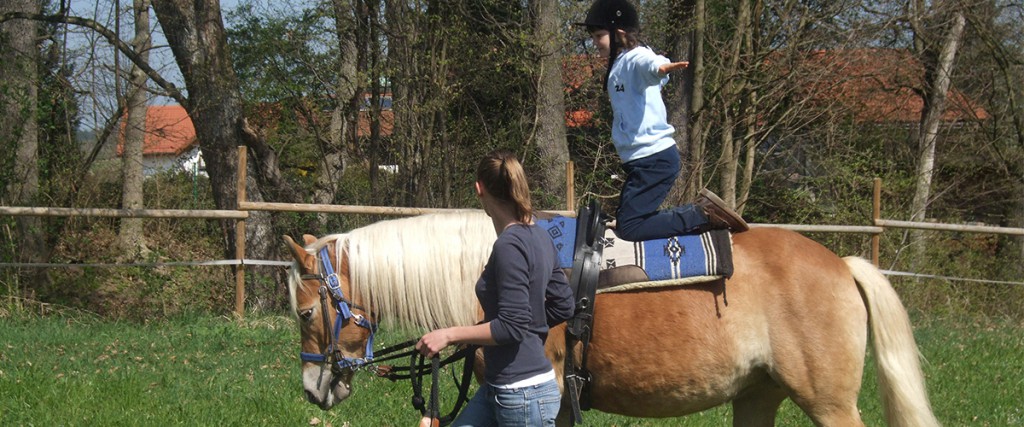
{"type": "Point", "coordinates": [590, 225]}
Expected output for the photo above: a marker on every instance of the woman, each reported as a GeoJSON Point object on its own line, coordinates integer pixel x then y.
{"type": "Point", "coordinates": [523, 292]}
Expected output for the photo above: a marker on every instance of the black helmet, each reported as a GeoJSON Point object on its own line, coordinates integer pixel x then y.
{"type": "Point", "coordinates": [612, 14]}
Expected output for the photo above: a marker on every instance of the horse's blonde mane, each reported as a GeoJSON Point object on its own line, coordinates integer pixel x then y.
{"type": "Point", "coordinates": [420, 272]}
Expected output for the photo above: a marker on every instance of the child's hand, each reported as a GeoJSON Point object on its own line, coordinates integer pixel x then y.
{"type": "Point", "coordinates": [425, 422]}
{"type": "Point", "coordinates": [672, 66]}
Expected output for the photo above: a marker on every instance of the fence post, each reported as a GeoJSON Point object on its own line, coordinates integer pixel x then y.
{"type": "Point", "coordinates": [240, 235]}
{"type": "Point", "coordinates": [876, 214]}
{"type": "Point", "coordinates": [570, 186]}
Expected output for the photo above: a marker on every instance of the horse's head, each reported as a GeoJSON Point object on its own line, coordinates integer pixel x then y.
{"type": "Point", "coordinates": [336, 329]}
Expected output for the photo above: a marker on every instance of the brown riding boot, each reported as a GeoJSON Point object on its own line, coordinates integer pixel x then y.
{"type": "Point", "coordinates": [719, 214]}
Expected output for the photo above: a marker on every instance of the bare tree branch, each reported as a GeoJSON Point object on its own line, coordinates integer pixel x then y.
{"type": "Point", "coordinates": [111, 37]}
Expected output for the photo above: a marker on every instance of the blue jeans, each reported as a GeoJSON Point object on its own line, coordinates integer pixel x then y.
{"type": "Point", "coordinates": [648, 181]}
{"type": "Point", "coordinates": [527, 407]}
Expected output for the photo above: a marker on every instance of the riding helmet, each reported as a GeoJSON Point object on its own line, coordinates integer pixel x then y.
{"type": "Point", "coordinates": [612, 14]}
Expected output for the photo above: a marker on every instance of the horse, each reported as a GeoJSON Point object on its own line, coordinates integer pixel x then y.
{"type": "Point", "coordinates": [791, 322]}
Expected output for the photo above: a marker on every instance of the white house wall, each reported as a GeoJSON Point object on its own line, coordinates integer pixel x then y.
{"type": "Point", "coordinates": [189, 162]}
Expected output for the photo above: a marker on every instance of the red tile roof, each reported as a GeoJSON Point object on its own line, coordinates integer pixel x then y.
{"type": "Point", "coordinates": [873, 85]}
{"type": "Point", "coordinates": [387, 123]}
{"type": "Point", "coordinates": [878, 86]}
{"type": "Point", "coordinates": [169, 131]}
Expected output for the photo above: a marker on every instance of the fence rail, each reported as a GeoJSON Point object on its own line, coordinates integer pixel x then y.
{"type": "Point", "coordinates": [244, 206]}
{"type": "Point", "coordinates": [123, 213]}
{"type": "Point", "coordinates": [949, 227]}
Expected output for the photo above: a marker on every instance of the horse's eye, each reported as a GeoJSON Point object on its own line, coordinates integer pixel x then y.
{"type": "Point", "coordinates": [306, 314]}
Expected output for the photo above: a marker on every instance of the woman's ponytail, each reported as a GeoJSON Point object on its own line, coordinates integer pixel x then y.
{"type": "Point", "coordinates": [504, 178]}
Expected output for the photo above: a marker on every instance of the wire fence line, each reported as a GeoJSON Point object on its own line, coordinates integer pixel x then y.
{"type": "Point", "coordinates": [875, 230]}
{"type": "Point", "coordinates": [352, 209]}
{"type": "Point", "coordinates": [150, 264]}
{"type": "Point", "coordinates": [948, 278]}
{"type": "Point", "coordinates": [275, 263]}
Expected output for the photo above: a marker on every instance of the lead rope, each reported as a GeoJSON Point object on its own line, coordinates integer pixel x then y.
{"type": "Point", "coordinates": [435, 405]}
{"type": "Point", "coordinates": [416, 368]}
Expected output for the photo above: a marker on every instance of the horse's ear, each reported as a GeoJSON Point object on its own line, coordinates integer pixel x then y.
{"type": "Point", "coordinates": [309, 239]}
{"type": "Point", "coordinates": [298, 252]}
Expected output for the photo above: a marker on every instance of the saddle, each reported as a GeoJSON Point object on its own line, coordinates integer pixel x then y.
{"type": "Point", "coordinates": [677, 260]}
{"type": "Point", "coordinates": [600, 262]}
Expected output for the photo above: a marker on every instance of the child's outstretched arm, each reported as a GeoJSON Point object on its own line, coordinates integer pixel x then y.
{"type": "Point", "coordinates": [672, 66]}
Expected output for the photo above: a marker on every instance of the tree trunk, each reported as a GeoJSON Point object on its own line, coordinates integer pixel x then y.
{"type": "Point", "coordinates": [935, 106]}
{"type": "Point", "coordinates": [18, 103]}
{"type": "Point", "coordinates": [696, 130]}
{"type": "Point", "coordinates": [131, 231]}
{"type": "Point", "coordinates": [937, 86]}
{"type": "Point", "coordinates": [403, 57]}
{"type": "Point", "coordinates": [750, 152]}
{"type": "Point", "coordinates": [417, 49]}
{"type": "Point", "coordinates": [749, 112]}
{"type": "Point", "coordinates": [735, 85]}
{"type": "Point", "coordinates": [551, 135]}
{"type": "Point", "coordinates": [195, 32]}
{"type": "Point", "coordinates": [680, 99]}
{"type": "Point", "coordinates": [344, 118]}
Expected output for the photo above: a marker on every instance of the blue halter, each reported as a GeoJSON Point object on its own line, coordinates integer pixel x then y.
{"type": "Point", "coordinates": [331, 289]}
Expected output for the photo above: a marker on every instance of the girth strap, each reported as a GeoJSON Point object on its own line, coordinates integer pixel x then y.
{"type": "Point", "coordinates": [585, 269]}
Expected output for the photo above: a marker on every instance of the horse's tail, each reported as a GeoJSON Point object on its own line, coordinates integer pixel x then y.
{"type": "Point", "coordinates": [896, 356]}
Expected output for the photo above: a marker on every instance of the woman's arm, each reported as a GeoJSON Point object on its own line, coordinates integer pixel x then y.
{"type": "Point", "coordinates": [559, 304]}
{"type": "Point", "coordinates": [432, 343]}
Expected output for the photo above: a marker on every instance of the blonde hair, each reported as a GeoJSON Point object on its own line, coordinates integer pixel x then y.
{"type": "Point", "coordinates": [415, 273]}
{"type": "Point", "coordinates": [421, 272]}
{"type": "Point", "coordinates": [504, 178]}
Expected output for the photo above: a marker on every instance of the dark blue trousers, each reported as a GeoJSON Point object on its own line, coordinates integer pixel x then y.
{"type": "Point", "coordinates": [648, 181]}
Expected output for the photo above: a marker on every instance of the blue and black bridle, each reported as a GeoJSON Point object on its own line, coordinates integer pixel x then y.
{"type": "Point", "coordinates": [331, 294]}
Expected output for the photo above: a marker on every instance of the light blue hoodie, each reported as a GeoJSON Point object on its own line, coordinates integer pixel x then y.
{"type": "Point", "coordinates": [640, 125]}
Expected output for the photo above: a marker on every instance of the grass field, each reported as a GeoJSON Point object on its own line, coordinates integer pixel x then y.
{"type": "Point", "coordinates": [217, 371]}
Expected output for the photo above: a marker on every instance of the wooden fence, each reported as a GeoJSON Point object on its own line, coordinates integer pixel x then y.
{"type": "Point", "coordinates": [244, 206]}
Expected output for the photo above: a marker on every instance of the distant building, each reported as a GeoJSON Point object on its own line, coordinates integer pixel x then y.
{"type": "Point", "coordinates": [170, 143]}
{"type": "Point", "coordinates": [872, 86]}
{"type": "Point", "coordinates": [877, 86]}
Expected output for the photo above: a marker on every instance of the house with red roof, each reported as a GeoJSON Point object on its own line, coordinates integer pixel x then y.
{"type": "Point", "coordinates": [876, 86]}
{"type": "Point", "coordinates": [170, 142]}
{"type": "Point", "coordinates": [872, 86]}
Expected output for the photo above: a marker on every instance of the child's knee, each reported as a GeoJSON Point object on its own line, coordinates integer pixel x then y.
{"type": "Point", "coordinates": [627, 230]}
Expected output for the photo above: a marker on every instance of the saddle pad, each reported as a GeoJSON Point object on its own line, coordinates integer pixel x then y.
{"type": "Point", "coordinates": [689, 255]}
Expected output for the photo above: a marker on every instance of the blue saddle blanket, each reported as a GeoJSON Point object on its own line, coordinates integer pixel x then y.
{"type": "Point", "coordinates": [689, 255]}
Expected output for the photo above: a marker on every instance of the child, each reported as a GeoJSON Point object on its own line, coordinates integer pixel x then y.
{"type": "Point", "coordinates": [642, 135]}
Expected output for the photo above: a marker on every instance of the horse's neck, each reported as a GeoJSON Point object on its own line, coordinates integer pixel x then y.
{"type": "Point", "coordinates": [420, 272]}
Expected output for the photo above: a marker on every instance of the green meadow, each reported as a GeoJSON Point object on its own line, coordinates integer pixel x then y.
{"type": "Point", "coordinates": [58, 370]}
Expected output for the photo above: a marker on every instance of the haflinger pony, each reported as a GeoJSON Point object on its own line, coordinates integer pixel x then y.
{"type": "Point", "coordinates": [792, 322]}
